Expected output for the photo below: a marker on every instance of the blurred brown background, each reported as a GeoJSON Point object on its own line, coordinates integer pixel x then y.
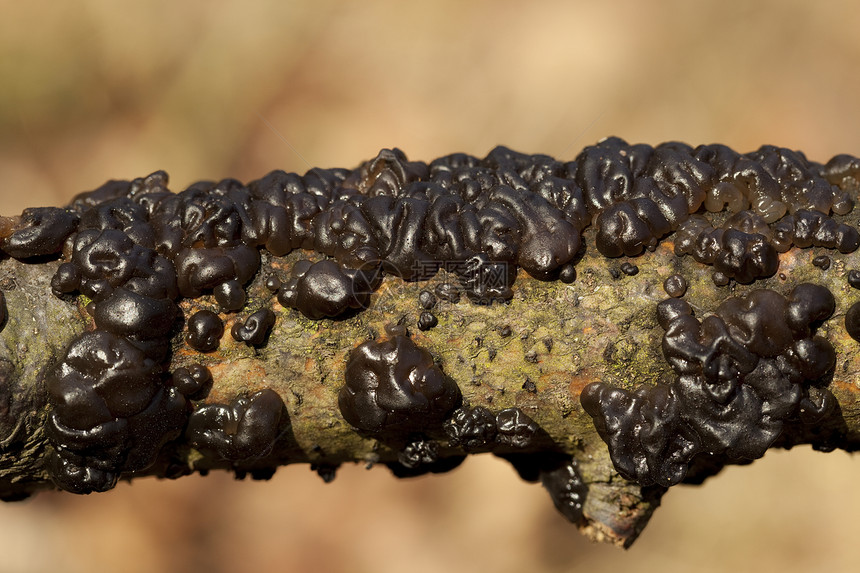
{"type": "Point", "coordinates": [97, 89]}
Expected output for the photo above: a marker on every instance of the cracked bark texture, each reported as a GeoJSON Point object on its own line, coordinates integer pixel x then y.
{"type": "Point", "coordinates": [562, 337]}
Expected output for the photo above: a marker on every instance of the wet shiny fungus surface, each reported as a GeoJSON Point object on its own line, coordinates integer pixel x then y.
{"type": "Point", "coordinates": [742, 373]}
{"type": "Point", "coordinates": [132, 250]}
{"type": "Point", "coordinates": [393, 385]}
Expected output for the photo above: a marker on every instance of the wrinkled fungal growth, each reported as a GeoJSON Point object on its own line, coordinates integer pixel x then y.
{"type": "Point", "coordinates": [242, 431]}
{"type": "Point", "coordinates": [393, 385]}
{"type": "Point", "coordinates": [566, 488]}
{"type": "Point", "coordinates": [742, 374]}
{"type": "Point", "coordinates": [471, 428]}
{"type": "Point", "coordinates": [254, 329]}
{"type": "Point", "coordinates": [112, 410]}
{"type": "Point", "coordinates": [515, 429]}
{"type": "Point", "coordinates": [131, 251]}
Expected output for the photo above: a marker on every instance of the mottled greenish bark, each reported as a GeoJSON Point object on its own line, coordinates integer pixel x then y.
{"type": "Point", "coordinates": [562, 337]}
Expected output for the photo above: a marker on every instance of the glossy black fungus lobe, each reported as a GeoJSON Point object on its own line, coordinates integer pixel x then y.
{"type": "Point", "coordinates": [133, 248]}
{"type": "Point", "coordinates": [515, 429]}
{"type": "Point", "coordinates": [325, 289]}
{"type": "Point", "coordinates": [192, 381]}
{"type": "Point", "coordinates": [822, 262]}
{"type": "Point", "coordinates": [854, 278]}
{"type": "Point", "coordinates": [427, 320]}
{"type": "Point", "coordinates": [741, 375]}
{"type": "Point", "coordinates": [393, 385]}
{"type": "Point", "coordinates": [205, 329]}
{"type": "Point", "coordinates": [426, 299]}
{"type": "Point", "coordinates": [243, 430]}
{"type": "Point", "coordinates": [112, 410]}
{"type": "Point", "coordinates": [254, 329]}
{"type": "Point", "coordinates": [566, 488]}
{"type": "Point", "coordinates": [420, 451]}
{"type": "Point", "coordinates": [852, 321]}
{"type": "Point", "coordinates": [675, 286]}
{"type": "Point", "coordinates": [471, 428]}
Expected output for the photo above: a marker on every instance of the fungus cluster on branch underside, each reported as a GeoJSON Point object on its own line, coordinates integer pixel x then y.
{"type": "Point", "coordinates": [157, 267]}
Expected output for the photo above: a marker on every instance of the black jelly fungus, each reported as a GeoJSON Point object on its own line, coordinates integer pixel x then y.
{"type": "Point", "coordinates": [852, 321]}
{"type": "Point", "coordinates": [515, 428]}
{"type": "Point", "coordinates": [741, 375]}
{"type": "Point", "coordinates": [111, 412]}
{"type": "Point", "coordinates": [675, 286]}
{"type": "Point", "coordinates": [427, 320]}
{"type": "Point", "coordinates": [426, 299]}
{"type": "Point", "coordinates": [273, 283]}
{"type": "Point", "coordinates": [230, 295]}
{"type": "Point", "coordinates": [246, 429]}
{"type": "Point", "coordinates": [567, 273]}
{"type": "Point", "coordinates": [205, 329]}
{"type": "Point", "coordinates": [471, 428]}
{"type": "Point", "coordinates": [567, 489]}
{"type": "Point", "coordinates": [394, 385]}
{"type": "Point", "coordinates": [254, 329]}
{"type": "Point", "coordinates": [192, 381]}
{"type": "Point", "coordinates": [420, 451]}
{"type": "Point", "coordinates": [4, 312]}
{"type": "Point", "coordinates": [822, 262]}
{"type": "Point", "coordinates": [854, 278]}
{"type": "Point", "coordinates": [629, 269]}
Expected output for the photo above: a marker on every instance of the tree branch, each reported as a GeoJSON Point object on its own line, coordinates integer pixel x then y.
{"type": "Point", "coordinates": [525, 360]}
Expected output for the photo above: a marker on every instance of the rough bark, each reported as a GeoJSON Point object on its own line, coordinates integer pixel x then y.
{"type": "Point", "coordinates": [562, 337]}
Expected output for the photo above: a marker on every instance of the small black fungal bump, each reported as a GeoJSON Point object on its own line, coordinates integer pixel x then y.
{"type": "Point", "coordinates": [205, 329]}
{"type": "Point", "coordinates": [254, 330]}
{"type": "Point", "coordinates": [244, 430]}
{"type": "Point", "coordinates": [567, 273]}
{"type": "Point", "coordinates": [505, 331]}
{"type": "Point", "coordinates": [426, 299]}
{"type": "Point", "coordinates": [629, 269]}
{"type": "Point", "coordinates": [273, 283]}
{"type": "Point", "coordinates": [822, 262]}
{"type": "Point", "coordinates": [326, 471]}
{"type": "Point", "coordinates": [529, 386]}
{"type": "Point", "coordinates": [515, 428]}
{"type": "Point", "coordinates": [419, 451]}
{"type": "Point", "coordinates": [230, 295]}
{"type": "Point", "coordinates": [442, 465]}
{"type": "Point", "coordinates": [4, 311]}
{"type": "Point", "coordinates": [471, 428]}
{"type": "Point", "coordinates": [852, 321]}
{"type": "Point", "coordinates": [427, 320]}
{"type": "Point", "coordinates": [567, 489]}
{"type": "Point", "coordinates": [192, 381]}
{"type": "Point", "coordinates": [393, 385]}
{"type": "Point", "coordinates": [675, 286]}
{"type": "Point", "coordinates": [854, 278]}
{"type": "Point", "coordinates": [326, 290]}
